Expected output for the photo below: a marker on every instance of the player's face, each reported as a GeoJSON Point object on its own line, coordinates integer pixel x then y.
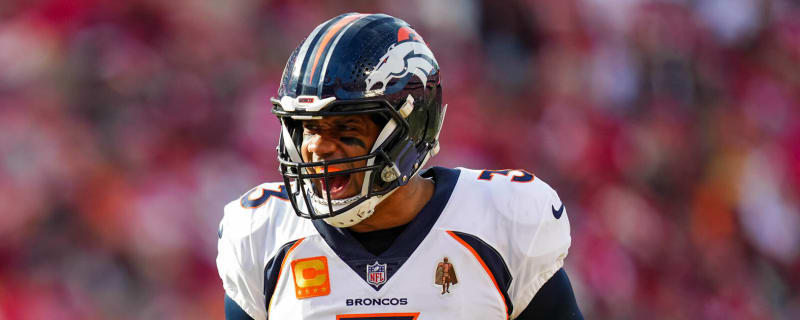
{"type": "Point", "coordinates": [338, 137]}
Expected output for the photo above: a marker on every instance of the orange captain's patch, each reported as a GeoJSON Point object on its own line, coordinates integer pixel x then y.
{"type": "Point", "coordinates": [311, 277]}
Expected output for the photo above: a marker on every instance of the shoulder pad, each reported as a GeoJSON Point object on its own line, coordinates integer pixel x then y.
{"type": "Point", "coordinates": [252, 230]}
{"type": "Point", "coordinates": [535, 231]}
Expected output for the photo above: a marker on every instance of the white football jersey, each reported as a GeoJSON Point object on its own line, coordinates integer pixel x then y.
{"type": "Point", "coordinates": [504, 233]}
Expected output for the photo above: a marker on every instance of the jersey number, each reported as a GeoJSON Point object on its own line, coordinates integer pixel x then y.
{"type": "Point", "coordinates": [250, 203]}
{"type": "Point", "coordinates": [519, 175]}
{"type": "Point", "coordinates": [380, 316]}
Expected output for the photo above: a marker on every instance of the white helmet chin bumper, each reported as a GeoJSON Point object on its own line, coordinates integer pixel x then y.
{"type": "Point", "coordinates": [350, 217]}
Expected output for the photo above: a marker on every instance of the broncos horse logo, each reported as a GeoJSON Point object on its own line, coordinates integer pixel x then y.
{"type": "Point", "coordinates": [408, 55]}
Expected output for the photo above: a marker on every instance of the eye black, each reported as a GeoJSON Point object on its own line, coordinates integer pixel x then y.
{"type": "Point", "coordinates": [353, 142]}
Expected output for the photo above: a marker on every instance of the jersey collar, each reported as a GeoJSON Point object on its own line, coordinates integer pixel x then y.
{"type": "Point", "coordinates": [357, 257]}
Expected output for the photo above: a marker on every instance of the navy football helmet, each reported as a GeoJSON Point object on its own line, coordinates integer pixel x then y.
{"type": "Point", "coordinates": [371, 64]}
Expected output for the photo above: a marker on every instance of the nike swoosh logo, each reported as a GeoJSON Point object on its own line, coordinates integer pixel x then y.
{"type": "Point", "coordinates": [557, 213]}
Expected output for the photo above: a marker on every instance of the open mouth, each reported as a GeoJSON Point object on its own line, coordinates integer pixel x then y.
{"type": "Point", "coordinates": [337, 185]}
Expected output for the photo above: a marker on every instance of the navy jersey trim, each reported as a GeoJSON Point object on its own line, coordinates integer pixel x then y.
{"type": "Point", "coordinates": [349, 250]}
{"type": "Point", "coordinates": [494, 262]}
{"type": "Point", "coordinates": [273, 270]}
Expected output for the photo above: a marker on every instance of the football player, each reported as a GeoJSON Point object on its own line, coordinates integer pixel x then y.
{"type": "Point", "coordinates": [357, 230]}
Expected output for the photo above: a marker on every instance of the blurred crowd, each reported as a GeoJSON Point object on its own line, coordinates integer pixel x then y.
{"type": "Point", "coordinates": [671, 130]}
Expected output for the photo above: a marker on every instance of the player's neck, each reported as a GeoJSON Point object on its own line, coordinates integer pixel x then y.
{"type": "Point", "coordinates": [399, 208]}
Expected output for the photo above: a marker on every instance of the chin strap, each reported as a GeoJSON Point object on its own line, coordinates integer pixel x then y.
{"type": "Point", "coordinates": [358, 213]}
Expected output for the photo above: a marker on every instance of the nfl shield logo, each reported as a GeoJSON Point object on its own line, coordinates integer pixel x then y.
{"type": "Point", "coordinates": [376, 274]}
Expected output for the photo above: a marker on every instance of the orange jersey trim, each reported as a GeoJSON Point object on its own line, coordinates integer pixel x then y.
{"type": "Point", "coordinates": [483, 264]}
{"type": "Point", "coordinates": [376, 315]}
{"type": "Point", "coordinates": [280, 273]}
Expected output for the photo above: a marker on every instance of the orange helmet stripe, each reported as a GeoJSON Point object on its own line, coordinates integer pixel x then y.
{"type": "Point", "coordinates": [327, 37]}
